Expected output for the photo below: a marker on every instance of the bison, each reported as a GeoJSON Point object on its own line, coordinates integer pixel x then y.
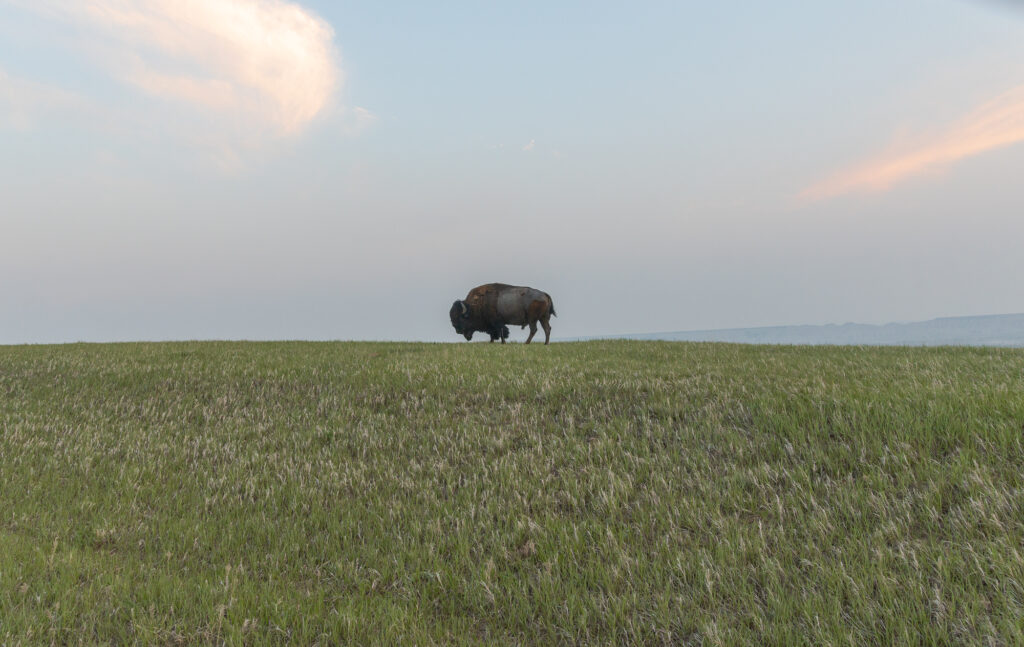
{"type": "Point", "coordinates": [489, 308]}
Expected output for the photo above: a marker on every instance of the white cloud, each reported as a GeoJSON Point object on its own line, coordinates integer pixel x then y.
{"type": "Point", "coordinates": [269, 63]}
{"type": "Point", "coordinates": [529, 147]}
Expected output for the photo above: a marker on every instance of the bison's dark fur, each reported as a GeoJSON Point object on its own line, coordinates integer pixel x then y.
{"type": "Point", "coordinates": [499, 334]}
{"type": "Point", "coordinates": [490, 308]}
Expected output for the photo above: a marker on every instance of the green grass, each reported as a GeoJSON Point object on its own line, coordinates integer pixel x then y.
{"type": "Point", "coordinates": [594, 493]}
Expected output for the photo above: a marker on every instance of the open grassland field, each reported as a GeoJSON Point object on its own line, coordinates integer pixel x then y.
{"type": "Point", "coordinates": [593, 493]}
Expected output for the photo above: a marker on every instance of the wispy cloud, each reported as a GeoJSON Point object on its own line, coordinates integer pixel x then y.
{"type": "Point", "coordinates": [997, 123]}
{"type": "Point", "coordinates": [270, 63]}
{"type": "Point", "coordinates": [23, 102]}
{"type": "Point", "coordinates": [357, 120]}
{"type": "Point", "coordinates": [529, 147]}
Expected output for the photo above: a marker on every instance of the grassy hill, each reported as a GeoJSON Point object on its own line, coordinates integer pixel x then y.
{"type": "Point", "coordinates": [614, 492]}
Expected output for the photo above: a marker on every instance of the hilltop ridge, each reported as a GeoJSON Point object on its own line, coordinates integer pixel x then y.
{"type": "Point", "coordinates": [988, 330]}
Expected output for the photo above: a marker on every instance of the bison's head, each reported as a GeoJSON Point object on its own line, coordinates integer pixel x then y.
{"type": "Point", "coordinates": [460, 319]}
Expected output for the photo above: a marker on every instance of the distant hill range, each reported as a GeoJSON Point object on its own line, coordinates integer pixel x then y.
{"type": "Point", "coordinates": [990, 330]}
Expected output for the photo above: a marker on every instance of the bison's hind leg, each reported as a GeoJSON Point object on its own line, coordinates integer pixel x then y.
{"type": "Point", "coordinates": [538, 311]}
{"type": "Point", "coordinates": [533, 330]}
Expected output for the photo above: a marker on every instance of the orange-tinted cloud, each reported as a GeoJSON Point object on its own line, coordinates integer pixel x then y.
{"type": "Point", "coordinates": [995, 124]}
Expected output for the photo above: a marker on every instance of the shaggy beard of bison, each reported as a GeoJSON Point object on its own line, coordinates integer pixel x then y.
{"type": "Point", "coordinates": [499, 333]}
{"type": "Point", "coordinates": [495, 333]}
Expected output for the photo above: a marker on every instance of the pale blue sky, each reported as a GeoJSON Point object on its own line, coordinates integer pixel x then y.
{"type": "Point", "coordinates": [337, 170]}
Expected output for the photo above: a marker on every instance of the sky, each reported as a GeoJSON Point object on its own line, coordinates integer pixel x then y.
{"type": "Point", "coordinates": [262, 169]}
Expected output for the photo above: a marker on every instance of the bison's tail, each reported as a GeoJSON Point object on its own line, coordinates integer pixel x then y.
{"type": "Point", "coordinates": [551, 305]}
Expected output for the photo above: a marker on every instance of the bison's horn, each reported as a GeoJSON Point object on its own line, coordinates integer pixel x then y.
{"type": "Point", "coordinates": [464, 308]}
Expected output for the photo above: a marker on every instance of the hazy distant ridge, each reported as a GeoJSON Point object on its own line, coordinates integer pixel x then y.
{"type": "Point", "coordinates": [990, 330]}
